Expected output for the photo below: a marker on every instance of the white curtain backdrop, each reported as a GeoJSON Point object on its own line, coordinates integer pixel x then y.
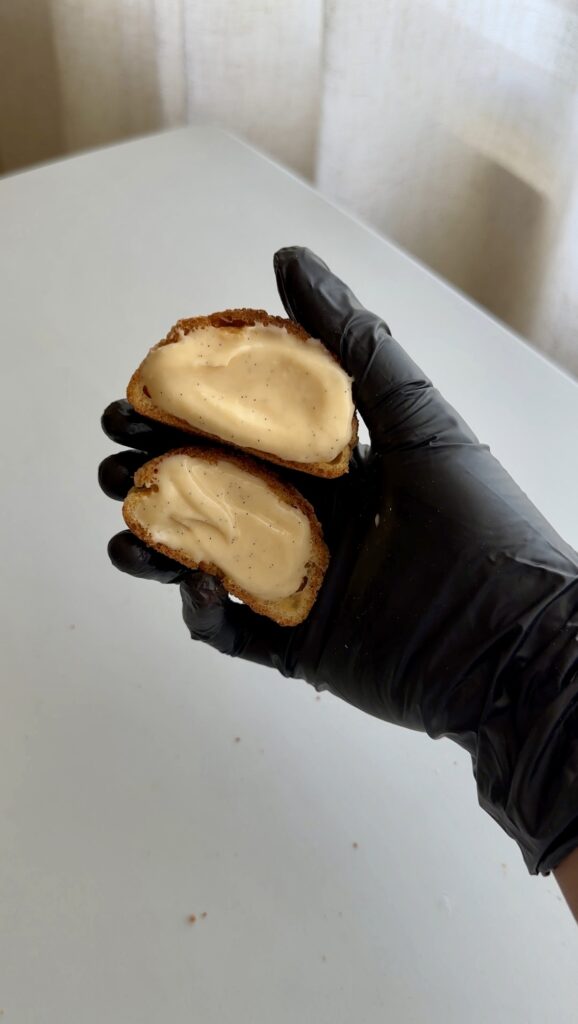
{"type": "Point", "coordinates": [450, 125]}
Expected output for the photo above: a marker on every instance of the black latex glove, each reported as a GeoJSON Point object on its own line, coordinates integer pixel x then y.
{"type": "Point", "coordinates": [450, 604]}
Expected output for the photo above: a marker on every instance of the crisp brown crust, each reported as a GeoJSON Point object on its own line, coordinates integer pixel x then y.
{"type": "Point", "coordinates": [289, 611]}
{"type": "Point", "coordinates": [143, 404]}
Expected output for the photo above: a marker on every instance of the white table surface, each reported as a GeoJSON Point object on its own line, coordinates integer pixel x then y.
{"type": "Point", "coordinates": [125, 802]}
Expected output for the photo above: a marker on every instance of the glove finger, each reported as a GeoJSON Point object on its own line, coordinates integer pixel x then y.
{"type": "Point", "coordinates": [394, 397]}
{"type": "Point", "coordinates": [231, 628]}
{"type": "Point", "coordinates": [116, 473]}
{"type": "Point", "coordinates": [122, 424]}
{"type": "Point", "coordinates": [128, 554]}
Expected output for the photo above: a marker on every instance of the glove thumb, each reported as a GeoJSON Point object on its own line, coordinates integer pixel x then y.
{"type": "Point", "coordinates": [395, 398]}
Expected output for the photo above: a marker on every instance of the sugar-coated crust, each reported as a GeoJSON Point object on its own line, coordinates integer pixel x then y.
{"type": "Point", "coordinates": [289, 611]}
{"type": "Point", "coordinates": [235, 318]}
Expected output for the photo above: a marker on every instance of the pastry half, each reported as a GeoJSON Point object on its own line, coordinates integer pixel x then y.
{"type": "Point", "coordinates": [231, 517]}
{"type": "Point", "coordinates": [256, 382]}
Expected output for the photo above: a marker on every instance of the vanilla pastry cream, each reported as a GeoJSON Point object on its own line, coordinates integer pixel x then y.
{"type": "Point", "coordinates": [257, 387]}
{"type": "Point", "coordinates": [217, 512]}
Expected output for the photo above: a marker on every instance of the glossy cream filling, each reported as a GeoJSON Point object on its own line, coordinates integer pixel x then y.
{"type": "Point", "coordinates": [257, 387]}
{"type": "Point", "coordinates": [220, 513]}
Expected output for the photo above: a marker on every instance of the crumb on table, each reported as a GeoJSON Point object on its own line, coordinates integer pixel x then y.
{"type": "Point", "coordinates": [192, 918]}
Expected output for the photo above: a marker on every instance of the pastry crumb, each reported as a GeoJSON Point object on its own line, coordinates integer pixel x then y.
{"type": "Point", "coordinates": [193, 918]}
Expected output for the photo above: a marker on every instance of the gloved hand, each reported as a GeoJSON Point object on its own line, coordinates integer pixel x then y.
{"type": "Point", "coordinates": [450, 604]}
